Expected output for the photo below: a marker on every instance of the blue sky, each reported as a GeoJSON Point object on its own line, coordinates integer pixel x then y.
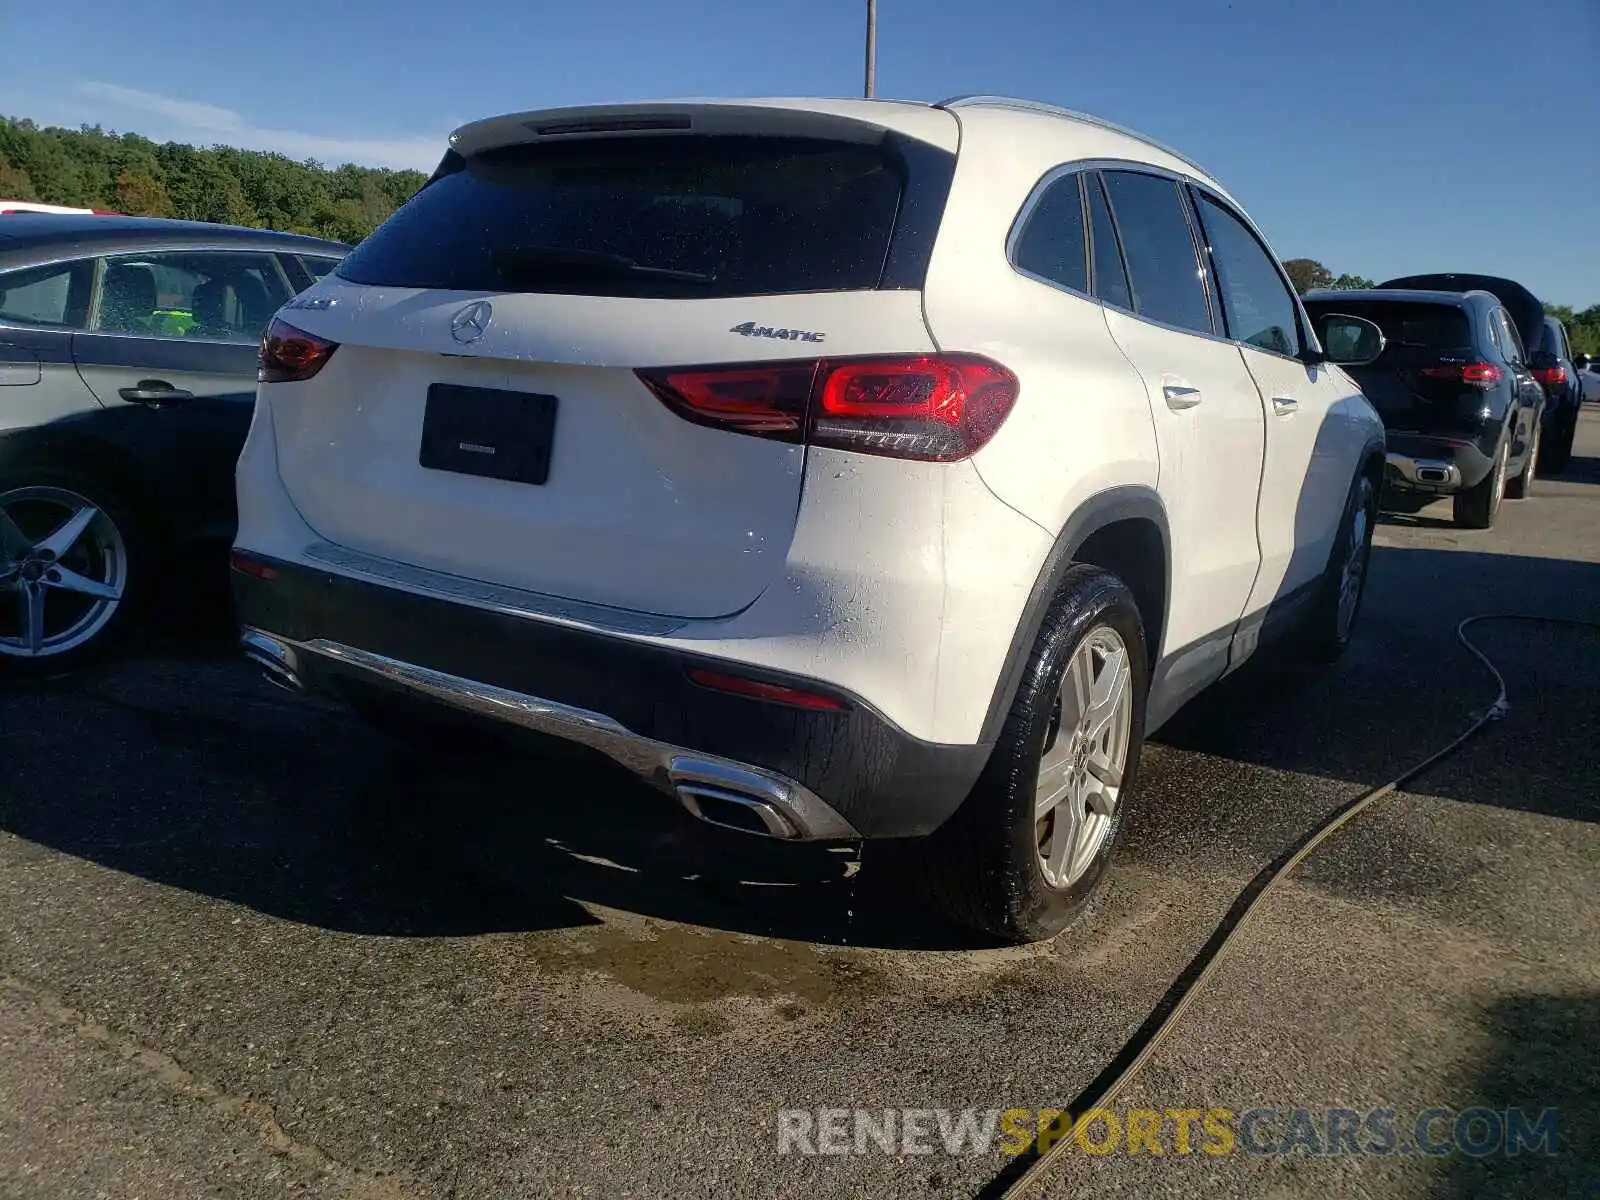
{"type": "Point", "coordinates": [1379, 136]}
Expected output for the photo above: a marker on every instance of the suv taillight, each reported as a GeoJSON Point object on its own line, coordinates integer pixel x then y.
{"type": "Point", "coordinates": [1551, 376]}
{"type": "Point", "coordinates": [1479, 375]}
{"type": "Point", "coordinates": [933, 407]}
{"type": "Point", "coordinates": [289, 355]}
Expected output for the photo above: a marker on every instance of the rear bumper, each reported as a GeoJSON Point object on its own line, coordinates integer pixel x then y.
{"type": "Point", "coordinates": [1434, 465]}
{"type": "Point", "coordinates": [800, 773]}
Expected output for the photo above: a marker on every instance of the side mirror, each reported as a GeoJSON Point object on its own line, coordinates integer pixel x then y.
{"type": "Point", "coordinates": [1581, 361]}
{"type": "Point", "coordinates": [1349, 341]}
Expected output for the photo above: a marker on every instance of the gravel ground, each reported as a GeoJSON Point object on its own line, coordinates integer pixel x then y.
{"type": "Point", "coordinates": [248, 950]}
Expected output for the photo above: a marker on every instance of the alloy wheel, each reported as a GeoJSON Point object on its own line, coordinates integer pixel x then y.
{"type": "Point", "coordinates": [1084, 757]}
{"type": "Point", "coordinates": [63, 571]}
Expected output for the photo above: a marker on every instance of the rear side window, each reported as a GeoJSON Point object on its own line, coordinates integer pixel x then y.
{"type": "Point", "coordinates": [1110, 278]}
{"type": "Point", "coordinates": [1053, 244]}
{"type": "Point", "coordinates": [56, 296]}
{"type": "Point", "coordinates": [1162, 264]}
{"type": "Point", "coordinates": [645, 216]}
{"type": "Point", "coordinates": [1414, 334]}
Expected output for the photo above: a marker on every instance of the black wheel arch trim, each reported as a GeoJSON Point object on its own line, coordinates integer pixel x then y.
{"type": "Point", "coordinates": [1121, 503]}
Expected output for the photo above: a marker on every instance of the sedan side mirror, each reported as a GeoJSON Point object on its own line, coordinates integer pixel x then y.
{"type": "Point", "coordinates": [1349, 341]}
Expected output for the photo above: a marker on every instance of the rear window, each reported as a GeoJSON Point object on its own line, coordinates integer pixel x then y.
{"type": "Point", "coordinates": [651, 216]}
{"type": "Point", "coordinates": [1412, 332]}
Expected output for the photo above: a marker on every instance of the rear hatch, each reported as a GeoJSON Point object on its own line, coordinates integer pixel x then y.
{"type": "Point", "coordinates": [484, 414]}
{"type": "Point", "coordinates": [1421, 383]}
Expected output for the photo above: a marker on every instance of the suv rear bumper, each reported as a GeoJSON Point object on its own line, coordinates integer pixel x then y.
{"type": "Point", "coordinates": [1434, 465]}
{"type": "Point", "coordinates": [790, 772]}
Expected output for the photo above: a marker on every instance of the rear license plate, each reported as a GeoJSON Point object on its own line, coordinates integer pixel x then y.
{"type": "Point", "coordinates": [488, 432]}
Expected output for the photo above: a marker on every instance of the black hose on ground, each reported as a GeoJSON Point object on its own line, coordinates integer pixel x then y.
{"type": "Point", "coordinates": [1029, 1169]}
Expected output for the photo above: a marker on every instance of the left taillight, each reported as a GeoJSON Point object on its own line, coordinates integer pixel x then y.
{"type": "Point", "coordinates": [1551, 376]}
{"type": "Point", "coordinates": [289, 355]}
{"type": "Point", "coordinates": [932, 407]}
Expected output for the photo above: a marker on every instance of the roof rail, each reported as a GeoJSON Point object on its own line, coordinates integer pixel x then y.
{"type": "Point", "coordinates": [986, 101]}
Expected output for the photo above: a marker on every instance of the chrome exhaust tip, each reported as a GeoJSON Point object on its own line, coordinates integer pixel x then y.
{"type": "Point", "coordinates": [724, 795]}
{"type": "Point", "coordinates": [275, 658]}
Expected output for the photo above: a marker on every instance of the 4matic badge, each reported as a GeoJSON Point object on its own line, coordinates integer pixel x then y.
{"type": "Point", "coordinates": [751, 329]}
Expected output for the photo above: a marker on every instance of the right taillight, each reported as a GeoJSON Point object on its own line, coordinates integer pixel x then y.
{"type": "Point", "coordinates": [934, 407]}
{"type": "Point", "coordinates": [1479, 375]}
{"type": "Point", "coordinates": [289, 355]}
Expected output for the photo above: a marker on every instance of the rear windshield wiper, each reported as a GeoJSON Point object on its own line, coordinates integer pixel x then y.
{"type": "Point", "coordinates": [523, 261]}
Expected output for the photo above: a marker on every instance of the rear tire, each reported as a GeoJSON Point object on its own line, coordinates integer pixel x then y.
{"type": "Point", "coordinates": [1477, 507]}
{"type": "Point", "coordinates": [1521, 487]}
{"type": "Point", "coordinates": [996, 865]}
{"type": "Point", "coordinates": [1558, 449]}
{"type": "Point", "coordinates": [1344, 581]}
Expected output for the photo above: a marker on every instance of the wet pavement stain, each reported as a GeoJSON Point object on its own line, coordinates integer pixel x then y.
{"type": "Point", "coordinates": [682, 965]}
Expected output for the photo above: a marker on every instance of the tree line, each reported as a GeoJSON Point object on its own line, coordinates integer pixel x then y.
{"type": "Point", "coordinates": [1583, 326]}
{"type": "Point", "coordinates": [93, 168]}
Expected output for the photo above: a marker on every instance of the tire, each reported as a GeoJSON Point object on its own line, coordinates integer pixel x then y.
{"type": "Point", "coordinates": [1521, 487]}
{"type": "Point", "coordinates": [1558, 447]}
{"type": "Point", "coordinates": [1344, 581]}
{"type": "Point", "coordinates": [983, 867]}
{"type": "Point", "coordinates": [1477, 506]}
{"type": "Point", "coordinates": [63, 532]}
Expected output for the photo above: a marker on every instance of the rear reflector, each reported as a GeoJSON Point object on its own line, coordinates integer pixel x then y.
{"type": "Point", "coordinates": [1551, 376]}
{"type": "Point", "coordinates": [758, 690]}
{"type": "Point", "coordinates": [1478, 375]}
{"type": "Point", "coordinates": [289, 355]}
{"type": "Point", "coordinates": [252, 567]}
{"type": "Point", "coordinates": [933, 407]}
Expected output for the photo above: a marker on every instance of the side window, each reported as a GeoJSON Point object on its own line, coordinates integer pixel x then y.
{"type": "Point", "coordinates": [1110, 277]}
{"type": "Point", "coordinates": [208, 295]}
{"type": "Point", "coordinates": [1052, 243]}
{"type": "Point", "coordinates": [1162, 265]}
{"type": "Point", "coordinates": [1511, 338]}
{"type": "Point", "coordinates": [55, 297]}
{"type": "Point", "coordinates": [1258, 305]}
{"type": "Point", "coordinates": [1497, 337]}
{"type": "Point", "coordinates": [318, 267]}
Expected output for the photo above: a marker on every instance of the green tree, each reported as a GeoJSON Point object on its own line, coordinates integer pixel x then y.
{"type": "Point", "coordinates": [1307, 273]}
{"type": "Point", "coordinates": [1353, 283]}
{"type": "Point", "coordinates": [14, 182]}
{"type": "Point", "coordinates": [142, 195]}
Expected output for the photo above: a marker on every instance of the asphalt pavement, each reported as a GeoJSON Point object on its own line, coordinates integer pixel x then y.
{"type": "Point", "coordinates": [249, 949]}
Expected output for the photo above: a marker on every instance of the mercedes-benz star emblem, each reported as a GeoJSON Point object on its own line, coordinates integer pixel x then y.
{"type": "Point", "coordinates": [471, 322]}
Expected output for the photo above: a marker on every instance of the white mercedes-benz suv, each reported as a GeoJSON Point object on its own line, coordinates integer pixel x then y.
{"type": "Point", "coordinates": [847, 469]}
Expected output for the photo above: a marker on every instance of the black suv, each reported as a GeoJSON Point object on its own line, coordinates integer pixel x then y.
{"type": "Point", "coordinates": [1459, 402]}
{"type": "Point", "coordinates": [1549, 354]}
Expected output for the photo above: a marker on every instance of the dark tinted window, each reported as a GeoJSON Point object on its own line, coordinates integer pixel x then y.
{"type": "Point", "coordinates": [318, 267]}
{"type": "Point", "coordinates": [1413, 333]}
{"type": "Point", "coordinates": [1156, 241]}
{"type": "Point", "coordinates": [1110, 279]}
{"type": "Point", "coordinates": [54, 296]}
{"type": "Point", "coordinates": [1255, 300]}
{"type": "Point", "coordinates": [1517, 352]}
{"type": "Point", "coordinates": [1053, 244]}
{"type": "Point", "coordinates": [1554, 338]}
{"type": "Point", "coordinates": [695, 216]}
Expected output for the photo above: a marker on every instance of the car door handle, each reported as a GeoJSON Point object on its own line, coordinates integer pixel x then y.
{"type": "Point", "coordinates": [1180, 396]}
{"type": "Point", "coordinates": [1284, 405]}
{"type": "Point", "coordinates": [156, 392]}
